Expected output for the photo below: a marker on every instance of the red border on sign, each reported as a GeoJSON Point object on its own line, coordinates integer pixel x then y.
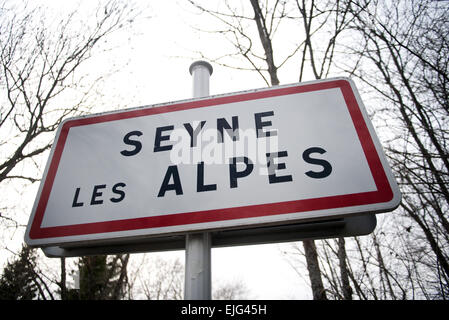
{"type": "Point", "coordinates": [383, 194]}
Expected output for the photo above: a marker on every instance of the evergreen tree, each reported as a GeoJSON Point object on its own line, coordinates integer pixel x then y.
{"type": "Point", "coordinates": [101, 278]}
{"type": "Point", "coordinates": [19, 280]}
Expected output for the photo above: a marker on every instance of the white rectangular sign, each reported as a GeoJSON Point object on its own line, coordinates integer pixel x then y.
{"type": "Point", "coordinates": [271, 156]}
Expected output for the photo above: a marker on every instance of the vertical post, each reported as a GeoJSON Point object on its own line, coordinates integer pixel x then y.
{"type": "Point", "coordinates": [198, 245]}
{"type": "Point", "coordinates": [201, 72]}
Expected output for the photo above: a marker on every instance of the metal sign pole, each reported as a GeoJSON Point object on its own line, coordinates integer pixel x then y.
{"type": "Point", "coordinates": [198, 245]}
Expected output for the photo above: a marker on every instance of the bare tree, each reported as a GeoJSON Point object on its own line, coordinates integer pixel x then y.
{"type": "Point", "coordinates": [43, 54]}
{"type": "Point", "coordinates": [253, 34]}
{"type": "Point", "coordinates": [163, 279]}
{"type": "Point", "coordinates": [39, 65]}
{"type": "Point", "coordinates": [234, 290]}
{"type": "Point", "coordinates": [399, 52]}
{"type": "Point", "coordinates": [405, 43]}
{"type": "Point", "coordinates": [311, 254]}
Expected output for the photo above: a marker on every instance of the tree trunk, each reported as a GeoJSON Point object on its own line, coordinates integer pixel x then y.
{"type": "Point", "coordinates": [63, 280]}
{"type": "Point", "coordinates": [265, 40]}
{"type": "Point", "coordinates": [314, 270]}
{"type": "Point", "coordinates": [346, 287]}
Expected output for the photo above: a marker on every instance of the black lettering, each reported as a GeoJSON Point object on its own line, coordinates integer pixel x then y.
{"type": "Point", "coordinates": [172, 171]}
{"type": "Point", "coordinates": [159, 138]}
{"type": "Point", "coordinates": [200, 186]}
{"type": "Point", "coordinates": [232, 132]}
{"type": "Point", "coordinates": [75, 202]}
{"type": "Point", "coordinates": [272, 167]}
{"type": "Point", "coordinates": [327, 168]}
{"type": "Point", "coordinates": [120, 193]}
{"type": "Point", "coordinates": [135, 143]}
{"type": "Point", "coordinates": [96, 194]}
{"type": "Point", "coordinates": [260, 124]}
{"type": "Point", "coordinates": [194, 133]}
{"type": "Point", "coordinates": [234, 174]}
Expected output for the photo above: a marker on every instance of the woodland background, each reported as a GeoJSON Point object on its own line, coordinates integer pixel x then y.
{"type": "Point", "coordinates": [397, 52]}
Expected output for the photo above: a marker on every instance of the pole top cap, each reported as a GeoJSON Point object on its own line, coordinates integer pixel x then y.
{"type": "Point", "coordinates": [201, 63]}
